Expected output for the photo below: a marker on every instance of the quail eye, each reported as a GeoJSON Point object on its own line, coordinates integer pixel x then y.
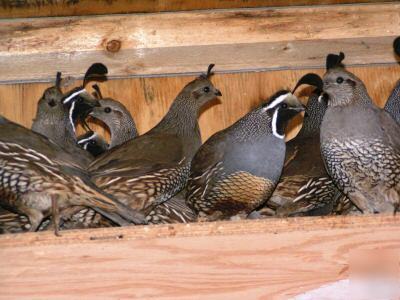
{"type": "Point", "coordinates": [339, 80]}
{"type": "Point", "coordinates": [107, 110]}
{"type": "Point", "coordinates": [92, 142]}
{"type": "Point", "coordinates": [284, 105]}
{"type": "Point", "coordinates": [52, 103]}
{"type": "Point", "coordinates": [206, 89]}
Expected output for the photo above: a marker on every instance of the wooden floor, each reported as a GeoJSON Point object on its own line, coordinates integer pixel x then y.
{"type": "Point", "coordinates": [265, 259]}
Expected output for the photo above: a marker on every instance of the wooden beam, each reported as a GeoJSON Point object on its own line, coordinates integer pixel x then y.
{"type": "Point", "coordinates": [149, 98]}
{"type": "Point", "coordinates": [186, 42]}
{"type": "Point", "coordinates": [43, 8]}
{"type": "Point", "coordinates": [272, 259]}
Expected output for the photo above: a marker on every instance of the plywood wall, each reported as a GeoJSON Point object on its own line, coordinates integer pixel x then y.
{"type": "Point", "coordinates": [148, 99]}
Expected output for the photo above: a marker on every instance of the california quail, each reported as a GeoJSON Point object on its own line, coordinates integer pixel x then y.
{"type": "Point", "coordinates": [93, 143]}
{"type": "Point", "coordinates": [392, 105]}
{"type": "Point", "coordinates": [150, 169]}
{"type": "Point", "coordinates": [56, 119]}
{"type": "Point", "coordinates": [237, 169]}
{"type": "Point", "coordinates": [117, 118]}
{"type": "Point", "coordinates": [122, 127]}
{"type": "Point", "coordinates": [38, 178]}
{"type": "Point", "coordinates": [360, 143]}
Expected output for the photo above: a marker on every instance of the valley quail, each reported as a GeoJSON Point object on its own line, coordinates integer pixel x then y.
{"type": "Point", "coordinates": [122, 127]}
{"type": "Point", "coordinates": [237, 169]}
{"type": "Point", "coordinates": [392, 105]}
{"type": "Point", "coordinates": [153, 167]}
{"type": "Point", "coordinates": [305, 187]}
{"type": "Point", "coordinates": [360, 143]}
{"type": "Point", "coordinates": [38, 179]}
{"type": "Point", "coordinates": [56, 119]}
{"type": "Point", "coordinates": [117, 118]}
{"type": "Point", "coordinates": [93, 143]}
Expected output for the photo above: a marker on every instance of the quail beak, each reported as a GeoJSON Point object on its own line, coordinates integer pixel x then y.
{"type": "Point", "coordinates": [218, 93]}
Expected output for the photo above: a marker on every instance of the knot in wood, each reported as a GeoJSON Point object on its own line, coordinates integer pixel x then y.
{"type": "Point", "coordinates": [113, 46]}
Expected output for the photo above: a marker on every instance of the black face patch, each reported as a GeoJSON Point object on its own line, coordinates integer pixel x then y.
{"type": "Point", "coordinates": [284, 115]}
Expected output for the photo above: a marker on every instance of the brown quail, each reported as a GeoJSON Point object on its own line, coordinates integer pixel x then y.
{"type": "Point", "coordinates": [150, 169]}
{"type": "Point", "coordinates": [38, 179]}
{"type": "Point", "coordinates": [237, 169]}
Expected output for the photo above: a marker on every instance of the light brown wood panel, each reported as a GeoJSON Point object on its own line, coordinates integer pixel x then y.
{"type": "Point", "coordinates": [148, 99]}
{"type": "Point", "coordinates": [170, 43]}
{"type": "Point", "coordinates": [43, 8]}
{"type": "Point", "coordinates": [265, 259]}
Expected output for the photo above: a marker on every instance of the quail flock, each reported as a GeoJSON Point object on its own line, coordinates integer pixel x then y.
{"type": "Point", "coordinates": [345, 159]}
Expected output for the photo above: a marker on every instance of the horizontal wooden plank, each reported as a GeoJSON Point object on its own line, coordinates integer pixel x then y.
{"type": "Point", "coordinates": [268, 259]}
{"type": "Point", "coordinates": [171, 43]}
{"type": "Point", "coordinates": [43, 8]}
{"type": "Point", "coordinates": [149, 98]}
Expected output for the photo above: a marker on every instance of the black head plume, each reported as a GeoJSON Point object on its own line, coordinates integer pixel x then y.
{"type": "Point", "coordinates": [58, 80]}
{"type": "Point", "coordinates": [310, 79]}
{"type": "Point", "coordinates": [209, 73]}
{"type": "Point", "coordinates": [334, 60]}
{"type": "Point", "coordinates": [97, 94]}
{"type": "Point", "coordinates": [96, 72]}
{"type": "Point", "coordinates": [396, 45]}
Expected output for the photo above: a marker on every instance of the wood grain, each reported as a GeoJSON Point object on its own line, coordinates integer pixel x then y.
{"type": "Point", "coordinates": [268, 259]}
{"type": "Point", "coordinates": [148, 99]}
{"type": "Point", "coordinates": [43, 8]}
{"type": "Point", "coordinates": [170, 43]}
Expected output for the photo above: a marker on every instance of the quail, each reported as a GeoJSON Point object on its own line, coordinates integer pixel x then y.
{"type": "Point", "coordinates": [150, 169]}
{"type": "Point", "coordinates": [93, 143]}
{"type": "Point", "coordinates": [122, 127]}
{"type": "Point", "coordinates": [392, 105]}
{"type": "Point", "coordinates": [237, 169]}
{"type": "Point", "coordinates": [117, 118]}
{"type": "Point", "coordinates": [305, 188]}
{"type": "Point", "coordinates": [360, 143]}
{"type": "Point", "coordinates": [56, 119]}
{"type": "Point", "coordinates": [39, 179]}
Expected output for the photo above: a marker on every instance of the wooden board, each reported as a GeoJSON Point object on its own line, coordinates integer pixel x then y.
{"type": "Point", "coordinates": [148, 99]}
{"type": "Point", "coordinates": [185, 42]}
{"type": "Point", "coordinates": [266, 259]}
{"type": "Point", "coordinates": [43, 8]}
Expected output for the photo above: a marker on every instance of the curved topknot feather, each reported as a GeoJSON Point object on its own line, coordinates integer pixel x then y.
{"type": "Point", "coordinates": [96, 72]}
{"type": "Point", "coordinates": [334, 60]}
{"type": "Point", "coordinates": [396, 45]}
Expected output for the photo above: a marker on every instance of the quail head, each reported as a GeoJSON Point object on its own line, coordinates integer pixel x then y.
{"type": "Point", "coordinates": [93, 143]}
{"type": "Point", "coordinates": [236, 169]}
{"type": "Point", "coordinates": [117, 118]}
{"type": "Point", "coordinates": [360, 143]}
{"type": "Point", "coordinates": [38, 179]}
{"type": "Point", "coordinates": [150, 169]}
{"type": "Point", "coordinates": [392, 105]}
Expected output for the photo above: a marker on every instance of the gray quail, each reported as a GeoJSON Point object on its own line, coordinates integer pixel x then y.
{"type": "Point", "coordinates": [38, 179]}
{"type": "Point", "coordinates": [150, 169]}
{"type": "Point", "coordinates": [360, 143]}
{"type": "Point", "coordinates": [392, 105]}
{"type": "Point", "coordinates": [237, 169]}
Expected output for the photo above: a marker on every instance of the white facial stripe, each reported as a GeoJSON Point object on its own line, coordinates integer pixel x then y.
{"type": "Point", "coordinates": [71, 111]}
{"type": "Point", "coordinates": [87, 139]}
{"type": "Point", "coordinates": [274, 128]}
{"type": "Point", "coordinates": [73, 95]}
{"type": "Point", "coordinates": [278, 100]}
